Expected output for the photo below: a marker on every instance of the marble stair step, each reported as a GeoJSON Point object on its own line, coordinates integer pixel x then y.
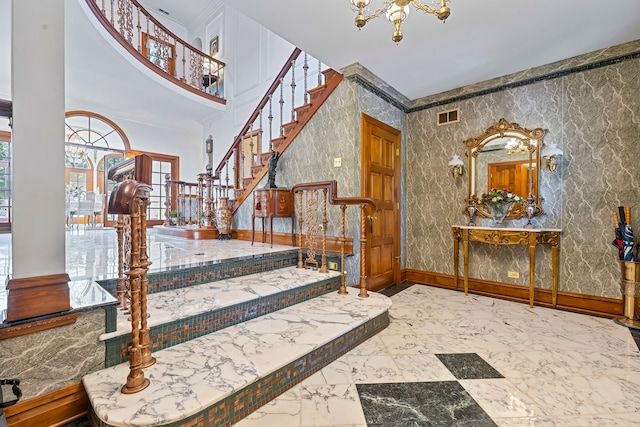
{"type": "Point", "coordinates": [182, 303]}
{"type": "Point", "coordinates": [221, 377]}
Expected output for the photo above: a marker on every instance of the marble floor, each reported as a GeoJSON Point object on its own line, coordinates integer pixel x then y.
{"type": "Point", "coordinates": [91, 254]}
{"type": "Point", "coordinates": [444, 360]}
{"type": "Point", "coordinates": [451, 360]}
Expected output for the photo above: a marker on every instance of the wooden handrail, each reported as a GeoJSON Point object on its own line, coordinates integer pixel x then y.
{"type": "Point", "coordinates": [252, 118]}
{"type": "Point", "coordinates": [332, 187]}
{"type": "Point", "coordinates": [182, 82]}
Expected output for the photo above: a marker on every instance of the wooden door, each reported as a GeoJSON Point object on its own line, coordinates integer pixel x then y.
{"type": "Point", "coordinates": [513, 176]}
{"type": "Point", "coordinates": [380, 180]}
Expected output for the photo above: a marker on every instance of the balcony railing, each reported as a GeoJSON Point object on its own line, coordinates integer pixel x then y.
{"type": "Point", "coordinates": [158, 48]}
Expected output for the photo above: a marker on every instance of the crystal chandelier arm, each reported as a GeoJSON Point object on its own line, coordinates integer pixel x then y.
{"type": "Point", "coordinates": [442, 13]}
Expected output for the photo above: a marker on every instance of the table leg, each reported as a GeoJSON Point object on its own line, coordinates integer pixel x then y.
{"type": "Point", "coordinates": [554, 285]}
{"type": "Point", "coordinates": [465, 247]}
{"type": "Point", "coordinates": [532, 272]}
{"type": "Point", "coordinates": [253, 228]}
{"type": "Point", "coordinates": [456, 244]}
{"type": "Point", "coordinates": [263, 230]}
{"type": "Point", "coordinates": [270, 231]}
{"type": "Point", "coordinates": [293, 236]}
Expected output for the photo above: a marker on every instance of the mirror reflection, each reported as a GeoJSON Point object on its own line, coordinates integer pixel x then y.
{"type": "Point", "coordinates": [505, 156]}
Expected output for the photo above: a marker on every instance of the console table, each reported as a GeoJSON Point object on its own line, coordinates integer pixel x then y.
{"type": "Point", "coordinates": [272, 203]}
{"type": "Point", "coordinates": [509, 236]}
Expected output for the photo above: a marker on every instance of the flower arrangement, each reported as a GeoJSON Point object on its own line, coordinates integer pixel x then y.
{"type": "Point", "coordinates": [496, 196]}
{"type": "Point", "coordinates": [499, 203]}
{"type": "Point", "coordinates": [73, 190]}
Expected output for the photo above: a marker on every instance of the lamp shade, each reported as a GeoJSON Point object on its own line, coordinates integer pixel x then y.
{"type": "Point", "coordinates": [551, 150]}
{"type": "Point", "coordinates": [456, 161]}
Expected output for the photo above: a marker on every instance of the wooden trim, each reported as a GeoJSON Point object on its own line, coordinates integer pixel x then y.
{"type": "Point", "coordinates": [53, 409]}
{"type": "Point", "coordinates": [189, 233]}
{"type": "Point", "coordinates": [37, 326]}
{"type": "Point", "coordinates": [5, 136]}
{"type": "Point", "coordinates": [37, 296]}
{"type": "Point", "coordinates": [333, 245]}
{"type": "Point", "coordinates": [586, 304]}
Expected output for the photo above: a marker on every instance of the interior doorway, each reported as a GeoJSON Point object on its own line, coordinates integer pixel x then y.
{"type": "Point", "coordinates": [380, 180]}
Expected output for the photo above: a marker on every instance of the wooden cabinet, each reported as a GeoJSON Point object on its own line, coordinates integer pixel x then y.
{"type": "Point", "coordinates": [272, 203]}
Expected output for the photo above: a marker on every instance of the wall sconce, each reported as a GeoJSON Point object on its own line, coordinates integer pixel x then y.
{"type": "Point", "coordinates": [456, 166]}
{"type": "Point", "coordinates": [552, 154]}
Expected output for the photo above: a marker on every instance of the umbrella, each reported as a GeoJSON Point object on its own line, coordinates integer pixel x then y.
{"type": "Point", "coordinates": [617, 242]}
{"type": "Point", "coordinates": [627, 237]}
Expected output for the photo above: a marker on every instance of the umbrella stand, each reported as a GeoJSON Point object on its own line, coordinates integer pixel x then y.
{"type": "Point", "coordinates": [630, 287]}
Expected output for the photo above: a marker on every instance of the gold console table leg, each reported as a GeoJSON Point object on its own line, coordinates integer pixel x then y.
{"type": "Point", "coordinates": [532, 272]}
{"type": "Point", "coordinates": [554, 273]}
{"type": "Point", "coordinates": [465, 247]}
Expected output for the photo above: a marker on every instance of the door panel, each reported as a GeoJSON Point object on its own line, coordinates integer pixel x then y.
{"type": "Point", "coordinates": [380, 177]}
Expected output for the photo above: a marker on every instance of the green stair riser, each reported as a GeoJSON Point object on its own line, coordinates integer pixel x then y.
{"type": "Point", "coordinates": [246, 400]}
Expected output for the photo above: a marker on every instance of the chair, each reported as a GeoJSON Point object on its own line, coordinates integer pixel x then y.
{"type": "Point", "coordinates": [98, 207]}
{"type": "Point", "coordinates": [86, 203]}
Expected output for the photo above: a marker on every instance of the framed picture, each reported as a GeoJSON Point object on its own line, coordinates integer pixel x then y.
{"type": "Point", "coordinates": [214, 46]}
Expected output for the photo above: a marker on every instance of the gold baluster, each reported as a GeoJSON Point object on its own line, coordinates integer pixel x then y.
{"type": "Point", "coordinates": [135, 380]}
{"type": "Point", "coordinates": [323, 267]}
{"type": "Point", "coordinates": [146, 359]}
{"type": "Point", "coordinates": [120, 285]}
{"type": "Point", "coordinates": [343, 285]}
{"type": "Point", "coordinates": [363, 242]}
{"type": "Point", "coordinates": [300, 220]}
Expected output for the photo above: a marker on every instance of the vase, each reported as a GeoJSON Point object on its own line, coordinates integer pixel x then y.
{"type": "Point", "coordinates": [499, 210]}
{"type": "Point", "coordinates": [223, 219]}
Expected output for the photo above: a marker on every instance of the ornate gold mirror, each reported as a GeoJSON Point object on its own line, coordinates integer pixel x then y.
{"type": "Point", "coordinates": [505, 156]}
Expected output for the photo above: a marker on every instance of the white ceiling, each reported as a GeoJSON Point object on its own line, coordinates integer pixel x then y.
{"type": "Point", "coordinates": [482, 39]}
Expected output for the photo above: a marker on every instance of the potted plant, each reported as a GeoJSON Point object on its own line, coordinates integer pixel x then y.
{"type": "Point", "coordinates": [173, 217]}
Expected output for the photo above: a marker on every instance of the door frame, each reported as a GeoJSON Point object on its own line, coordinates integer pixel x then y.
{"type": "Point", "coordinates": [366, 123]}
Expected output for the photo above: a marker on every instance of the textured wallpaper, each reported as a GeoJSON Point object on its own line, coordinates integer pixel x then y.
{"type": "Point", "coordinates": [593, 116]}
{"type": "Point", "coordinates": [333, 132]}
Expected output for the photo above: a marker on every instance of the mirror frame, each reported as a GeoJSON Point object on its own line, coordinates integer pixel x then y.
{"type": "Point", "coordinates": [531, 139]}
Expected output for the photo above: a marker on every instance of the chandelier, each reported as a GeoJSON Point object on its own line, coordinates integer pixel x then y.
{"type": "Point", "coordinates": [396, 12]}
{"type": "Point", "coordinates": [75, 154]}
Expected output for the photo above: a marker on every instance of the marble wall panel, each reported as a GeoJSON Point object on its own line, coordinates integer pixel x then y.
{"type": "Point", "coordinates": [47, 360]}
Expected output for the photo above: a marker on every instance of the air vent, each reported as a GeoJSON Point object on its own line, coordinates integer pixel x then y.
{"type": "Point", "coordinates": [448, 117]}
{"type": "Point", "coordinates": [163, 11]}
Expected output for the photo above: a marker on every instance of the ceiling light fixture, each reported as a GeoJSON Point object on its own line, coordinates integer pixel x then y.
{"type": "Point", "coordinates": [396, 12]}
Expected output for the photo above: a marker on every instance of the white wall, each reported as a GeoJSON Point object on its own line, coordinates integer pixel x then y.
{"type": "Point", "coordinates": [253, 56]}
{"type": "Point", "coordinates": [5, 53]}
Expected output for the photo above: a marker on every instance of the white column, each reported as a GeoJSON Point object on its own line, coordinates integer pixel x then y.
{"type": "Point", "coordinates": [37, 82]}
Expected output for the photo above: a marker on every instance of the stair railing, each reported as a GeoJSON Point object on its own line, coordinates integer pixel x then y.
{"type": "Point", "coordinates": [195, 202]}
{"type": "Point", "coordinates": [130, 200]}
{"type": "Point", "coordinates": [278, 111]}
{"type": "Point", "coordinates": [158, 48]}
{"type": "Point", "coordinates": [311, 212]}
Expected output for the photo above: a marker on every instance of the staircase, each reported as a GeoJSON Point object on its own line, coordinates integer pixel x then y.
{"type": "Point", "coordinates": [228, 337]}
{"type": "Point", "coordinates": [284, 110]}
